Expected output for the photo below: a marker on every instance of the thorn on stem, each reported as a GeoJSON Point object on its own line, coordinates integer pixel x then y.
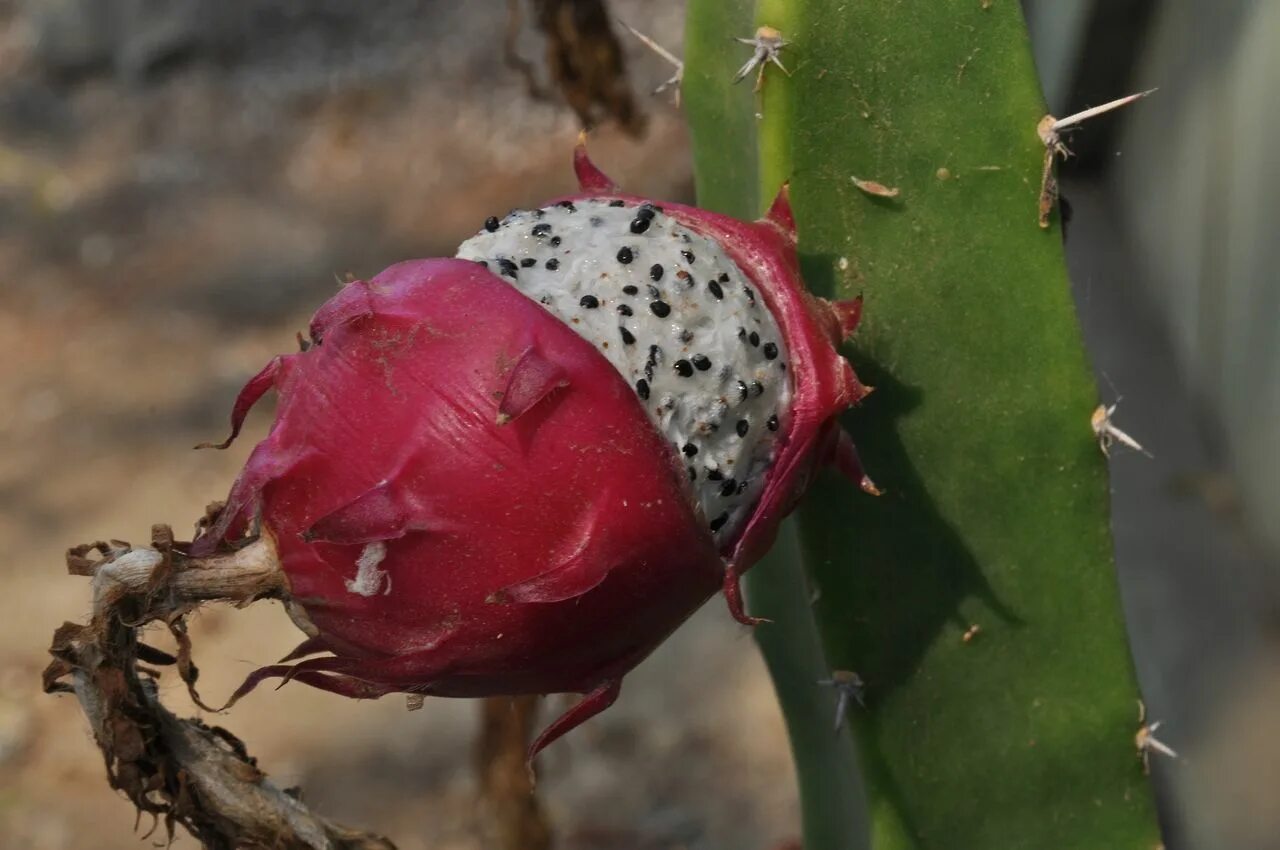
{"type": "Point", "coordinates": [1050, 130]}
{"type": "Point", "coordinates": [849, 688]}
{"type": "Point", "coordinates": [768, 43]}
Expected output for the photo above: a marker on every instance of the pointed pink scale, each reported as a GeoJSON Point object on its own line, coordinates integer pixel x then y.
{"type": "Point", "coordinates": [416, 670]}
{"type": "Point", "coordinates": [780, 214]}
{"type": "Point", "coordinates": [532, 379]}
{"type": "Point", "coordinates": [849, 314]}
{"type": "Point", "coordinates": [385, 512]}
{"type": "Point", "coordinates": [588, 707]}
{"type": "Point", "coordinates": [354, 302]}
{"type": "Point", "coordinates": [345, 686]}
{"type": "Point", "coordinates": [249, 395]}
{"type": "Point", "coordinates": [591, 180]}
{"type": "Point", "coordinates": [251, 682]}
{"type": "Point", "coordinates": [317, 672]}
{"type": "Point", "coordinates": [853, 389]}
{"type": "Point", "coordinates": [310, 646]}
{"type": "Point", "coordinates": [732, 590]}
{"type": "Point", "coordinates": [582, 568]}
{"type": "Point", "coordinates": [847, 462]}
{"type": "Point", "coordinates": [266, 463]}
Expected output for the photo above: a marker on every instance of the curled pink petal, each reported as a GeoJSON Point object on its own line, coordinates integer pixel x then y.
{"type": "Point", "coordinates": [248, 397]}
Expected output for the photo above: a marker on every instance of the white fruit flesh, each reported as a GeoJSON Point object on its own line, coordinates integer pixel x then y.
{"type": "Point", "coordinates": [676, 317]}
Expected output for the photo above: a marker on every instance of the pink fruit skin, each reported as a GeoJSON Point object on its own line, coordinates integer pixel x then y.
{"type": "Point", "coordinates": [540, 534]}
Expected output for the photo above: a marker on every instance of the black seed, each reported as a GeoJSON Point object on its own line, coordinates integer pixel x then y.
{"type": "Point", "coordinates": [742, 485]}
{"type": "Point", "coordinates": [540, 230]}
{"type": "Point", "coordinates": [628, 338]}
{"type": "Point", "coordinates": [773, 422]}
{"type": "Point", "coordinates": [625, 255]}
{"type": "Point", "coordinates": [688, 256]}
{"type": "Point", "coordinates": [483, 263]}
{"type": "Point", "coordinates": [642, 388]}
{"type": "Point", "coordinates": [686, 335]}
{"type": "Point", "coordinates": [567, 205]}
{"type": "Point", "coordinates": [630, 290]}
{"type": "Point", "coordinates": [508, 267]}
{"type": "Point", "coordinates": [596, 221]}
{"type": "Point", "coordinates": [701, 362]}
{"type": "Point", "coordinates": [754, 339]}
{"type": "Point", "coordinates": [751, 296]}
{"type": "Point", "coordinates": [617, 203]}
{"type": "Point", "coordinates": [742, 391]}
{"type": "Point", "coordinates": [639, 224]}
{"type": "Point", "coordinates": [683, 368]}
{"type": "Point", "coordinates": [693, 474]}
{"type": "Point", "coordinates": [689, 449]}
{"type": "Point", "coordinates": [646, 211]}
{"type": "Point", "coordinates": [715, 290]}
{"type": "Point", "coordinates": [624, 310]}
{"type": "Point", "coordinates": [724, 277]}
{"type": "Point", "coordinates": [589, 301]}
{"type": "Point", "coordinates": [528, 263]}
{"type": "Point", "coordinates": [757, 389]}
{"type": "Point", "coordinates": [742, 333]}
{"type": "Point", "coordinates": [491, 223]}
{"type": "Point", "coordinates": [555, 241]}
{"type": "Point", "coordinates": [654, 292]}
{"type": "Point", "coordinates": [553, 264]}
{"type": "Point", "coordinates": [770, 351]}
{"type": "Point", "coordinates": [714, 475]}
{"type": "Point", "coordinates": [718, 522]}
{"type": "Point", "coordinates": [661, 309]}
{"type": "Point", "coordinates": [655, 272]}
{"type": "Point", "coordinates": [539, 213]}
{"type": "Point", "coordinates": [727, 488]}
{"type": "Point", "coordinates": [654, 354]}
{"type": "Point", "coordinates": [743, 427]}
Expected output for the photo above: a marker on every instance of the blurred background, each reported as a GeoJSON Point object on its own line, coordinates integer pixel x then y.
{"type": "Point", "coordinates": [183, 182]}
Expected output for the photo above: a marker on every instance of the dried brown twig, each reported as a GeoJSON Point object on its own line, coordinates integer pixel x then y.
{"type": "Point", "coordinates": [586, 62]}
{"type": "Point", "coordinates": [514, 817]}
{"type": "Point", "coordinates": [181, 771]}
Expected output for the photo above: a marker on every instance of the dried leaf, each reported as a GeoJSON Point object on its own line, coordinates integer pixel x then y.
{"type": "Point", "coordinates": [871, 187]}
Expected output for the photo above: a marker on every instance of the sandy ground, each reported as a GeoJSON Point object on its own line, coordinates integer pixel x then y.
{"type": "Point", "coordinates": [166, 224]}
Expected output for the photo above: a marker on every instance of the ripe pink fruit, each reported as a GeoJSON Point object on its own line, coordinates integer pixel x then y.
{"type": "Point", "coordinates": [469, 499]}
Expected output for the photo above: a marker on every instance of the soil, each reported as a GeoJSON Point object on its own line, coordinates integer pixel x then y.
{"type": "Point", "coordinates": [178, 191]}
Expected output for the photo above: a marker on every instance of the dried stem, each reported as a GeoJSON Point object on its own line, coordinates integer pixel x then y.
{"type": "Point", "coordinates": [180, 771]}
{"type": "Point", "coordinates": [587, 63]}
{"type": "Point", "coordinates": [506, 782]}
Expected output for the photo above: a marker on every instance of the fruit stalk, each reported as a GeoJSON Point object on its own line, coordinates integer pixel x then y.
{"type": "Point", "coordinates": [180, 771]}
{"type": "Point", "coordinates": [513, 817]}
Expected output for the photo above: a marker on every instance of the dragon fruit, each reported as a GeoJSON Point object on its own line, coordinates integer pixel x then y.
{"type": "Point", "coordinates": [519, 470]}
